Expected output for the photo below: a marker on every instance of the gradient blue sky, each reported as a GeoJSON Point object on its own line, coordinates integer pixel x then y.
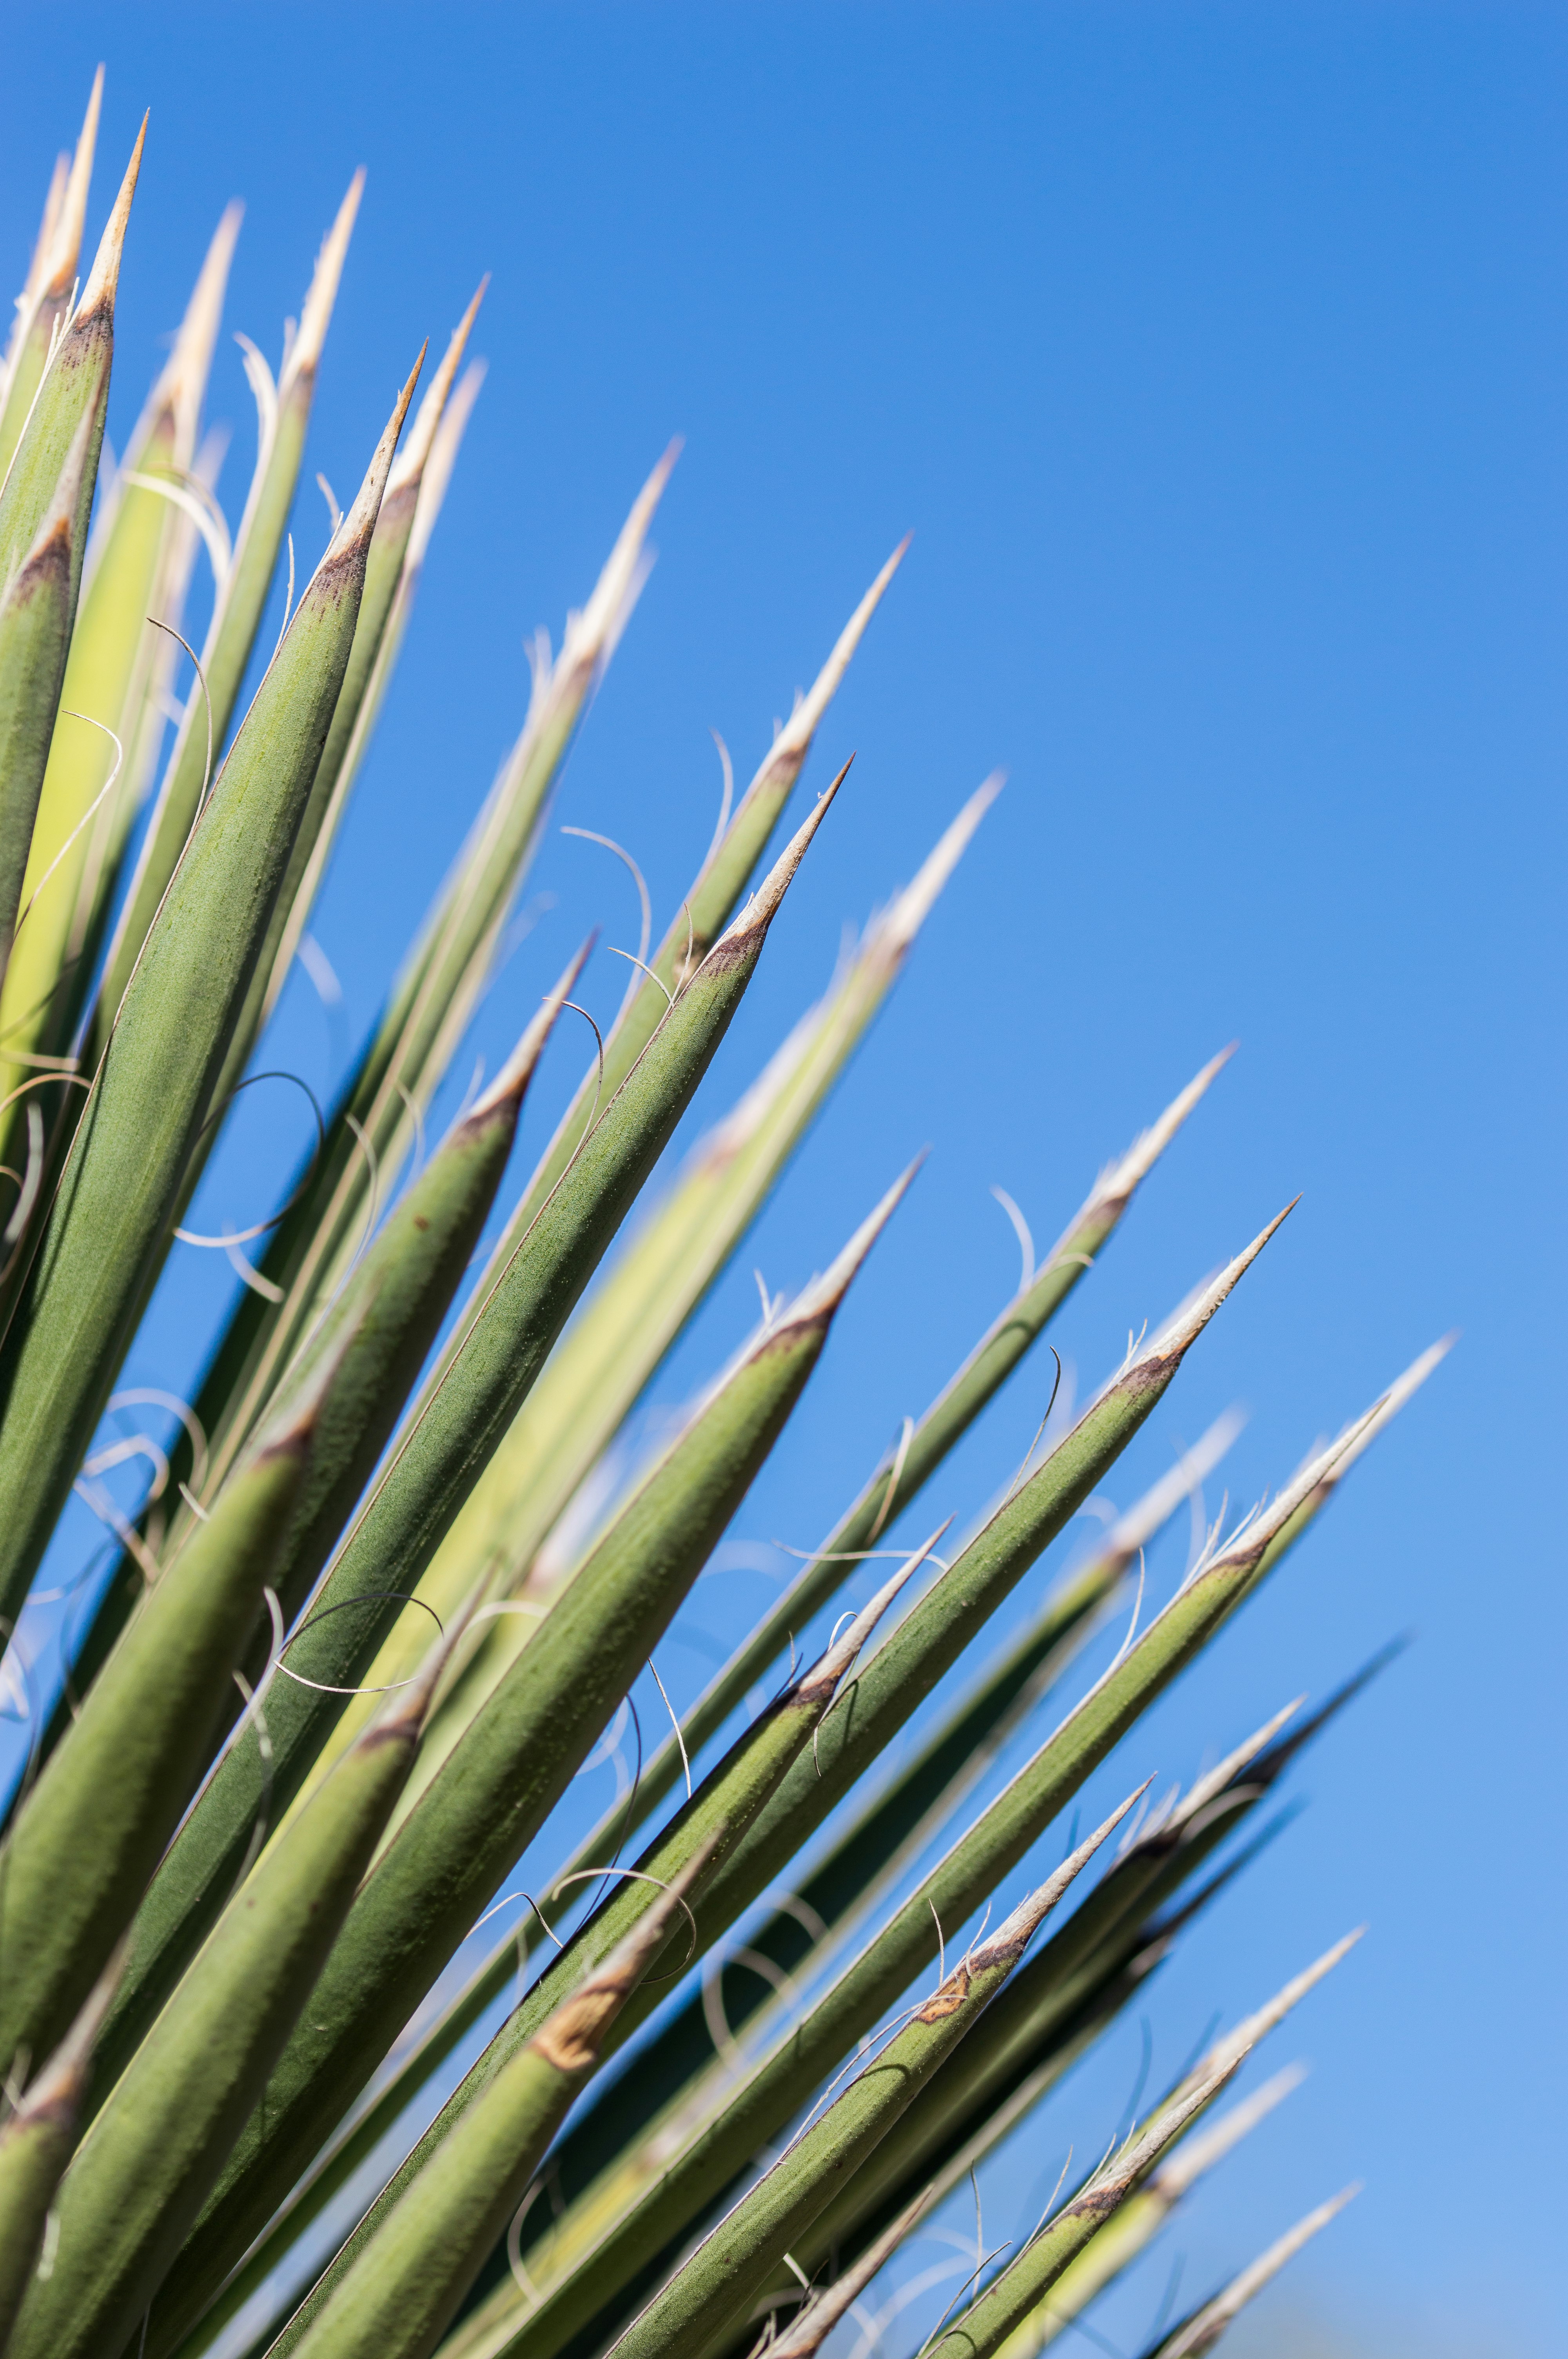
{"type": "Point", "coordinates": [1215, 356]}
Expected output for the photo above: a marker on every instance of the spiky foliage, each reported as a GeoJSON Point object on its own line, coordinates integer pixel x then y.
{"type": "Point", "coordinates": [358, 1641]}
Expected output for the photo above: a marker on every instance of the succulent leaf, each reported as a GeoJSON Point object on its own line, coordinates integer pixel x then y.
{"type": "Point", "coordinates": [507, 1771]}
{"type": "Point", "coordinates": [148, 1114]}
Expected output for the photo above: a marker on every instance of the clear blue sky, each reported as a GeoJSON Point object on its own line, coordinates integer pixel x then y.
{"type": "Point", "coordinates": [1215, 356]}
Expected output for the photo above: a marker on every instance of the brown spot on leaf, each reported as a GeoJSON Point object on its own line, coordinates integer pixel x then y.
{"type": "Point", "coordinates": [572, 2038]}
{"type": "Point", "coordinates": [948, 1999]}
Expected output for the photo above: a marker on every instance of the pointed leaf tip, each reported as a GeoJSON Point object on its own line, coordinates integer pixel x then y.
{"type": "Point", "coordinates": [360, 522]}
{"type": "Point", "coordinates": [831, 1666]}
{"type": "Point", "coordinates": [1189, 1322]}
{"type": "Point", "coordinates": [824, 1294]}
{"type": "Point", "coordinates": [1141, 1521]}
{"type": "Point", "coordinates": [1318, 1475]}
{"type": "Point", "coordinates": [1358, 1436]}
{"type": "Point", "coordinates": [413, 458]}
{"type": "Point", "coordinates": [758, 914]}
{"type": "Point", "coordinates": [305, 351]}
{"type": "Point", "coordinates": [908, 912]}
{"type": "Point", "coordinates": [64, 254]}
{"type": "Point", "coordinates": [1116, 1184]}
{"type": "Point", "coordinates": [1200, 2154]}
{"type": "Point", "coordinates": [512, 1078]}
{"type": "Point", "coordinates": [1255, 2027]}
{"type": "Point", "coordinates": [104, 276]}
{"type": "Point", "coordinates": [406, 1709]}
{"type": "Point", "coordinates": [791, 746]}
{"type": "Point", "coordinates": [1209, 1787]}
{"type": "Point", "coordinates": [822, 2313]}
{"type": "Point", "coordinates": [1013, 1934]}
{"type": "Point", "coordinates": [591, 636]}
{"type": "Point", "coordinates": [291, 1429]}
{"type": "Point", "coordinates": [1200, 2332]}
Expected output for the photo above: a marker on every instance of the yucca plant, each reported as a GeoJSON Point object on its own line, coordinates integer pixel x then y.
{"type": "Point", "coordinates": [267, 2090]}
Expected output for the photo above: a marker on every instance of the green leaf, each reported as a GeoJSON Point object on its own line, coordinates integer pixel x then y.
{"type": "Point", "coordinates": [44, 306]}
{"type": "Point", "coordinates": [713, 1821]}
{"type": "Point", "coordinates": [906, 1469]}
{"type": "Point", "coordinates": [36, 2143]}
{"type": "Point", "coordinates": [138, 2180]}
{"type": "Point", "coordinates": [35, 636]}
{"type": "Point", "coordinates": [465, 1406]}
{"type": "Point", "coordinates": [1052, 2010]}
{"type": "Point", "coordinates": [398, 2299]}
{"type": "Point", "coordinates": [284, 414]}
{"type": "Point", "coordinates": [1131, 2229]}
{"type": "Point", "coordinates": [624, 1331]}
{"type": "Point", "coordinates": [114, 651]}
{"type": "Point", "coordinates": [88, 1836]}
{"type": "Point", "coordinates": [930, 1787]}
{"type": "Point", "coordinates": [124, 1587]}
{"type": "Point", "coordinates": [356, 1373]}
{"type": "Point", "coordinates": [713, 2289]}
{"type": "Point", "coordinates": [415, 492]}
{"type": "Point", "coordinates": [820, 2315]}
{"type": "Point", "coordinates": [708, 905]}
{"type": "Point", "coordinates": [1008, 2300]}
{"type": "Point", "coordinates": [927, 1643]}
{"type": "Point", "coordinates": [509, 1769]}
{"type": "Point", "coordinates": [431, 1004]}
{"type": "Point", "coordinates": [72, 385]}
{"type": "Point", "coordinates": [384, 571]}
{"type": "Point", "coordinates": [109, 1225]}
{"type": "Point", "coordinates": [697, 2150]}
{"type": "Point", "coordinates": [874, 1850]}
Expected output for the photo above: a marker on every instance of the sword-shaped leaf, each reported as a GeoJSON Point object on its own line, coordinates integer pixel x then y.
{"type": "Point", "coordinates": [1098, 1957]}
{"type": "Point", "coordinates": [373, 1344]}
{"type": "Point", "coordinates": [1018, 1815]}
{"type": "Point", "coordinates": [429, 1008]}
{"type": "Point", "coordinates": [425, 467]}
{"type": "Point", "coordinates": [1133, 2228]}
{"type": "Point", "coordinates": [873, 1852]}
{"type": "Point", "coordinates": [71, 385]}
{"type": "Point", "coordinates": [465, 1406]}
{"type": "Point", "coordinates": [995, 2313]}
{"type": "Point", "coordinates": [36, 2143]}
{"type": "Point", "coordinates": [906, 1469]}
{"type": "Point", "coordinates": [109, 1225]}
{"type": "Point", "coordinates": [383, 570]}
{"type": "Point", "coordinates": [114, 655]}
{"type": "Point", "coordinates": [1027, 2044]}
{"type": "Point", "coordinates": [509, 1769]}
{"type": "Point", "coordinates": [930, 1787]}
{"type": "Point", "coordinates": [44, 306]}
{"type": "Point", "coordinates": [708, 905]}
{"type": "Point", "coordinates": [929, 1640]}
{"type": "Point", "coordinates": [35, 638]}
{"type": "Point", "coordinates": [647, 2205]}
{"type": "Point", "coordinates": [1185, 2104]}
{"type": "Point", "coordinates": [138, 2179]}
{"type": "Point", "coordinates": [713, 2288]}
{"type": "Point", "coordinates": [713, 1821]}
{"type": "Point", "coordinates": [431, 477]}
{"type": "Point", "coordinates": [282, 412]}
{"type": "Point", "coordinates": [85, 1840]}
{"type": "Point", "coordinates": [629, 1324]}
{"type": "Point", "coordinates": [821, 2315]}
{"type": "Point", "coordinates": [400, 2296]}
